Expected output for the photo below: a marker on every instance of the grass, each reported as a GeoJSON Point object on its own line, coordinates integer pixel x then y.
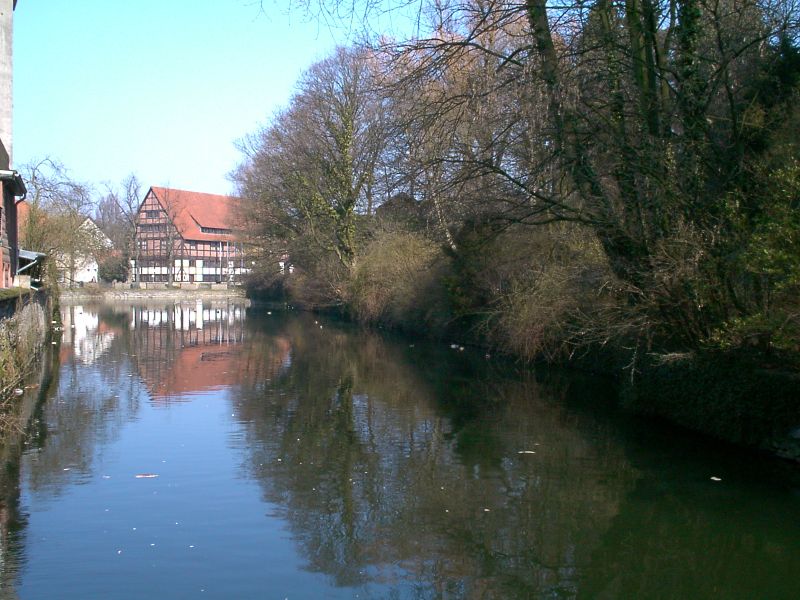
{"type": "Point", "coordinates": [9, 293]}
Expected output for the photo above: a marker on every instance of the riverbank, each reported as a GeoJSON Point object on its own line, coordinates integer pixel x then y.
{"type": "Point", "coordinates": [25, 332]}
{"type": "Point", "coordinates": [743, 396]}
{"type": "Point", "coordinates": [732, 396]}
{"type": "Point", "coordinates": [127, 294]}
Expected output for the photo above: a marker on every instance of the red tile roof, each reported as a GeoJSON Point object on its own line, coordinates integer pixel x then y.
{"type": "Point", "coordinates": [209, 366]}
{"type": "Point", "coordinates": [193, 210]}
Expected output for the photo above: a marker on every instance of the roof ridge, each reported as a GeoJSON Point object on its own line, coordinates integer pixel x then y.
{"type": "Point", "coordinates": [172, 189]}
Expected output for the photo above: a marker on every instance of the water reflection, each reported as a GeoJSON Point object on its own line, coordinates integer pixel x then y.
{"type": "Point", "coordinates": [441, 477]}
{"type": "Point", "coordinates": [85, 337]}
{"type": "Point", "coordinates": [442, 480]}
{"type": "Point", "coordinates": [400, 470]}
{"type": "Point", "coordinates": [182, 350]}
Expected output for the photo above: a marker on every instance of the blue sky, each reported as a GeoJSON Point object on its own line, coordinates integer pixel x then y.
{"type": "Point", "coordinates": [160, 88]}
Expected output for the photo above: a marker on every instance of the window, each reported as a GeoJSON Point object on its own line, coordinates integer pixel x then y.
{"type": "Point", "coordinates": [150, 227]}
{"type": "Point", "coordinates": [215, 230]}
{"type": "Point", "coordinates": [152, 214]}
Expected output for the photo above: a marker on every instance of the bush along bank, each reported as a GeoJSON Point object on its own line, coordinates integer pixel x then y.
{"type": "Point", "coordinates": [550, 198]}
{"type": "Point", "coordinates": [549, 296]}
{"type": "Point", "coordinates": [24, 333]}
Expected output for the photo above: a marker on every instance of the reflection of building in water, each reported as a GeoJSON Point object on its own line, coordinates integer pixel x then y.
{"type": "Point", "coordinates": [85, 333]}
{"type": "Point", "coordinates": [188, 348]}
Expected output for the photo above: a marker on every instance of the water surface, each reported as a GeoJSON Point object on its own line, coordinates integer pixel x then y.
{"type": "Point", "coordinates": [215, 451]}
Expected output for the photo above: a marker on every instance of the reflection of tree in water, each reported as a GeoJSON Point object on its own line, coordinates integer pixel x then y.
{"type": "Point", "coordinates": [87, 410]}
{"type": "Point", "coordinates": [407, 473]}
{"type": "Point", "coordinates": [13, 520]}
{"type": "Point", "coordinates": [680, 534]}
{"type": "Point", "coordinates": [92, 402]}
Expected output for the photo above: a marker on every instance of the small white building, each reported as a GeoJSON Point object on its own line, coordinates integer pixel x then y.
{"type": "Point", "coordinates": [82, 267]}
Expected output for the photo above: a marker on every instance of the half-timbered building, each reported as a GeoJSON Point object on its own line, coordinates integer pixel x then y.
{"type": "Point", "coordinates": [187, 237]}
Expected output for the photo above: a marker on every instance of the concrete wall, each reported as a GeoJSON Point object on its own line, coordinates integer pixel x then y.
{"type": "Point", "coordinates": [8, 220]}
{"type": "Point", "coordinates": [6, 74]}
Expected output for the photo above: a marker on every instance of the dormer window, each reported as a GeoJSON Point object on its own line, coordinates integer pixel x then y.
{"type": "Point", "coordinates": [215, 230]}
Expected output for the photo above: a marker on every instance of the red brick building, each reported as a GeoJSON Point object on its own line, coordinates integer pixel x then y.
{"type": "Point", "coordinates": [11, 188]}
{"type": "Point", "coordinates": [11, 185]}
{"type": "Point", "coordinates": [189, 237]}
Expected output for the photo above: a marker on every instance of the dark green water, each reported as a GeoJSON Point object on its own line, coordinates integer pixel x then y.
{"type": "Point", "coordinates": [217, 452]}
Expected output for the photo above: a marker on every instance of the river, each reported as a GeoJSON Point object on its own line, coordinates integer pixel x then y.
{"type": "Point", "coordinates": [218, 451]}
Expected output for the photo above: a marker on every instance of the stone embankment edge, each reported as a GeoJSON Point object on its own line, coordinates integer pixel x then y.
{"type": "Point", "coordinates": [25, 332]}
{"type": "Point", "coordinates": [73, 296]}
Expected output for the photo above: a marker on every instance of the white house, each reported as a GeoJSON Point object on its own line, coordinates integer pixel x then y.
{"type": "Point", "coordinates": [80, 268]}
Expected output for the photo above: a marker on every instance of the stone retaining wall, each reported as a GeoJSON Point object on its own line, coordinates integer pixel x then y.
{"type": "Point", "coordinates": [128, 294]}
{"type": "Point", "coordinates": [22, 337]}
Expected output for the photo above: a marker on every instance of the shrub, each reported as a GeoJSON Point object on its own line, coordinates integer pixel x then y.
{"type": "Point", "coordinates": [531, 290]}
{"type": "Point", "coordinates": [113, 268]}
{"type": "Point", "coordinates": [397, 281]}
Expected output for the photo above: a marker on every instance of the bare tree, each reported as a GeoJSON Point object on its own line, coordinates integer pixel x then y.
{"type": "Point", "coordinates": [314, 165]}
{"type": "Point", "coordinates": [639, 120]}
{"type": "Point", "coordinates": [171, 240]}
{"type": "Point", "coordinates": [58, 207]}
{"type": "Point", "coordinates": [116, 214]}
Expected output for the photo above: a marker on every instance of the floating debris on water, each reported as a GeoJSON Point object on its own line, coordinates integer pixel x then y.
{"type": "Point", "coordinates": [526, 452]}
{"type": "Point", "coordinates": [713, 478]}
{"type": "Point", "coordinates": [146, 476]}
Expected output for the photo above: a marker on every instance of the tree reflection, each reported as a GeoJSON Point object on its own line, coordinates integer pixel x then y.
{"type": "Point", "coordinates": [14, 520]}
{"type": "Point", "coordinates": [402, 465]}
{"type": "Point", "coordinates": [96, 393]}
{"type": "Point", "coordinates": [431, 472]}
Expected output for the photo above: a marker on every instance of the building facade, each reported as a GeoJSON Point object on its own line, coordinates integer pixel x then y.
{"type": "Point", "coordinates": [187, 237]}
{"type": "Point", "coordinates": [11, 184]}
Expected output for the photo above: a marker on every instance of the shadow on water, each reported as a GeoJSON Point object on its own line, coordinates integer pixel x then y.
{"type": "Point", "coordinates": [455, 477]}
